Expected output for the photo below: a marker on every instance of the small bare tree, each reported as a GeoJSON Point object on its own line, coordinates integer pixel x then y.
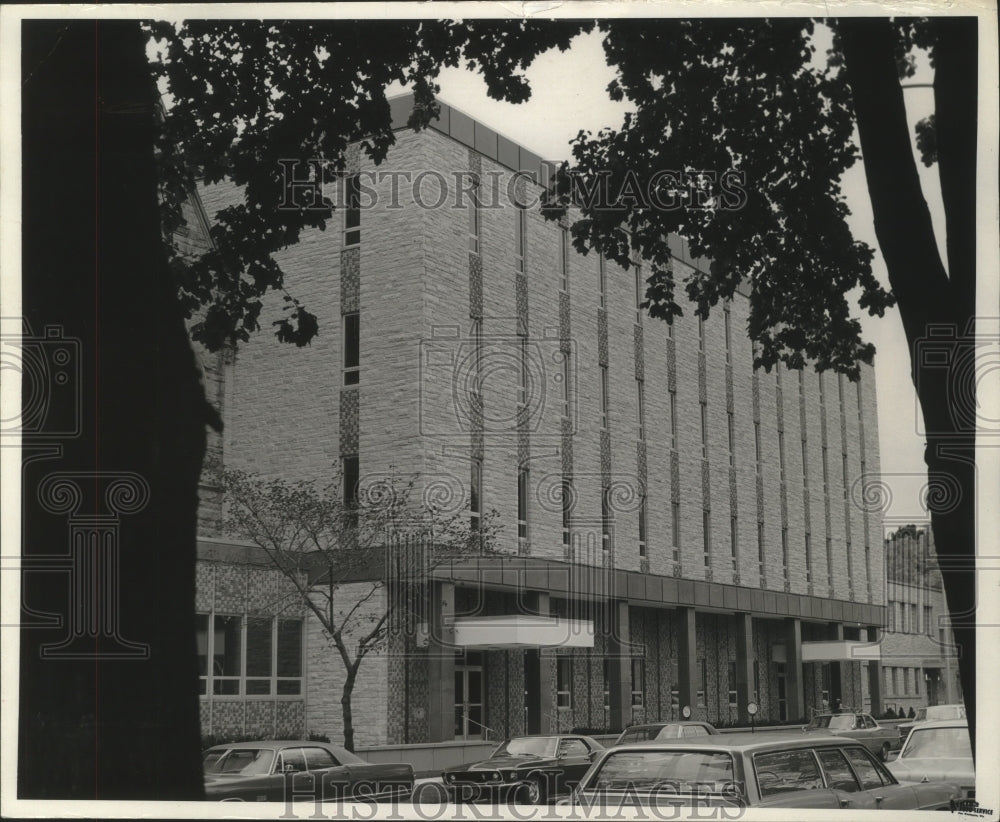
{"type": "Point", "coordinates": [349, 560]}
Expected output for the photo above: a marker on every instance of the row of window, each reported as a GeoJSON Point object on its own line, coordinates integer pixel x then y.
{"type": "Point", "coordinates": [904, 618]}
{"type": "Point", "coordinates": [241, 655]}
{"type": "Point", "coordinates": [902, 681]}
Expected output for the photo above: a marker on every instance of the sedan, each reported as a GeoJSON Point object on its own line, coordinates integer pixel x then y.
{"type": "Point", "coordinates": [529, 769]}
{"type": "Point", "coordinates": [664, 730]}
{"type": "Point", "coordinates": [937, 750]}
{"type": "Point", "coordinates": [929, 714]}
{"type": "Point", "coordinates": [859, 726]}
{"type": "Point", "coordinates": [291, 770]}
{"type": "Point", "coordinates": [773, 770]}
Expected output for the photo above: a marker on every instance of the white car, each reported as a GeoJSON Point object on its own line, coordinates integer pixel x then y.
{"type": "Point", "coordinates": [937, 752]}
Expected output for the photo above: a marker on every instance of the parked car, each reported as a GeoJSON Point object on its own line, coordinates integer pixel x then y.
{"type": "Point", "coordinates": [529, 769]}
{"type": "Point", "coordinates": [860, 726]}
{"type": "Point", "coordinates": [743, 770]}
{"type": "Point", "coordinates": [664, 730]}
{"type": "Point", "coordinates": [278, 770]}
{"type": "Point", "coordinates": [937, 751]}
{"type": "Point", "coordinates": [930, 714]}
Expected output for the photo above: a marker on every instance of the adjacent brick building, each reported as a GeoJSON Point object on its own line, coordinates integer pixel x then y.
{"type": "Point", "coordinates": [678, 530]}
{"type": "Point", "coordinates": [919, 656]}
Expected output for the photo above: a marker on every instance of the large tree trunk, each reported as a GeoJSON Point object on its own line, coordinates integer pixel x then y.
{"type": "Point", "coordinates": [937, 308]}
{"type": "Point", "coordinates": [345, 705]}
{"type": "Point", "coordinates": [112, 714]}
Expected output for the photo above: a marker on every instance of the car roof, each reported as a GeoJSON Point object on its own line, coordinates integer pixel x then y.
{"type": "Point", "coordinates": [272, 744]}
{"type": "Point", "coordinates": [942, 723]}
{"type": "Point", "coordinates": [667, 722]}
{"type": "Point", "coordinates": [745, 742]}
{"type": "Point", "coordinates": [589, 739]}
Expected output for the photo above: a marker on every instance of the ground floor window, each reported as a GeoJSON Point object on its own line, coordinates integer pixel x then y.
{"type": "Point", "coordinates": [564, 680]}
{"type": "Point", "coordinates": [249, 656]}
{"type": "Point", "coordinates": [638, 689]}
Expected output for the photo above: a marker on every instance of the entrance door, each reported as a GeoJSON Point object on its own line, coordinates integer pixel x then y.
{"type": "Point", "coordinates": [932, 686]}
{"type": "Point", "coordinates": [469, 701]}
{"type": "Point", "coordinates": [782, 693]}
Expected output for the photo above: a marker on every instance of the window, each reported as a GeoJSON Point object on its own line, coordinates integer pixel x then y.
{"type": "Point", "coordinates": [895, 681]}
{"type": "Point", "coordinates": [916, 681]}
{"type": "Point", "coordinates": [642, 526]}
{"type": "Point", "coordinates": [524, 384]}
{"type": "Point", "coordinates": [271, 665]}
{"type": "Point", "coordinates": [733, 702]}
{"type": "Point", "coordinates": [781, 454]}
{"type": "Point", "coordinates": [522, 507]}
{"type": "Point", "coordinates": [756, 680]}
{"type": "Point", "coordinates": [474, 217]}
{"type": "Point", "coordinates": [638, 688]}
{"type": "Point", "coordinates": [756, 443]}
{"type": "Point", "coordinates": [761, 569]}
{"type": "Point", "coordinates": [914, 619]}
{"type": "Point", "coordinates": [731, 431]}
{"type": "Point", "coordinates": [638, 293]}
{"type": "Point", "coordinates": [809, 565]}
{"type": "Point", "coordinates": [567, 507]}
{"type": "Point", "coordinates": [784, 551]}
{"type": "Point", "coordinates": [706, 531]}
{"type": "Point", "coordinates": [865, 768]}
{"type": "Point", "coordinates": [520, 237]}
{"type": "Point", "coordinates": [673, 419]}
{"type": "Point", "coordinates": [786, 771]}
{"type": "Point", "coordinates": [729, 339]}
{"type": "Point", "coordinates": [892, 615]}
{"type": "Point", "coordinates": [605, 520]}
{"type": "Point", "coordinates": [475, 495]}
{"type": "Point", "coordinates": [604, 397]}
{"type": "Point", "coordinates": [352, 348]}
{"type": "Point", "coordinates": [352, 210]}
{"type": "Point", "coordinates": [675, 524]}
{"type": "Point", "coordinates": [350, 468]}
{"type": "Point", "coordinates": [928, 621]}
{"type": "Point", "coordinates": [602, 279]}
{"type": "Point", "coordinates": [319, 758]}
{"type": "Point", "coordinates": [701, 333]}
{"type": "Point", "coordinates": [607, 684]}
{"type": "Point", "coordinates": [291, 760]}
{"type": "Point", "coordinates": [704, 430]}
{"type": "Point", "coordinates": [640, 390]}
{"type": "Point", "coordinates": [564, 679]}
{"type": "Point", "coordinates": [839, 775]}
{"type": "Point", "coordinates": [825, 679]}
{"type": "Point", "coordinates": [702, 679]}
{"type": "Point", "coordinates": [564, 258]}
{"type": "Point", "coordinates": [566, 385]}
{"type": "Point", "coordinates": [734, 542]}
{"type": "Point", "coordinates": [573, 747]}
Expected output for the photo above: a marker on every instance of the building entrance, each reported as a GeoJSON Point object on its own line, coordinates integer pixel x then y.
{"type": "Point", "coordinates": [469, 696]}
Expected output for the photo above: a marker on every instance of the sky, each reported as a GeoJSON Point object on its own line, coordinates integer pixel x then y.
{"type": "Point", "coordinates": [568, 94]}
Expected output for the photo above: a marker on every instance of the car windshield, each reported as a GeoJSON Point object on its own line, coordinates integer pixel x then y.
{"type": "Point", "coordinates": [528, 746]}
{"type": "Point", "coordinates": [641, 734]}
{"type": "Point", "coordinates": [937, 743]}
{"type": "Point", "coordinates": [943, 712]}
{"type": "Point", "coordinates": [921, 714]}
{"type": "Point", "coordinates": [667, 771]}
{"type": "Point", "coordinates": [835, 722]}
{"type": "Point", "coordinates": [238, 761]}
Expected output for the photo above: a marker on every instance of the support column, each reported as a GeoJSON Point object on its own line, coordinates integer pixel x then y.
{"type": "Point", "coordinates": [620, 667]}
{"type": "Point", "coordinates": [793, 669]}
{"type": "Point", "coordinates": [837, 671]}
{"type": "Point", "coordinates": [744, 662]}
{"type": "Point", "coordinates": [687, 658]}
{"type": "Point", "coordinates": [875, 676]}
{"type": "Point", "coordinates": [538, 685]}
{"type": "Point", "coordinates": [441, 664]}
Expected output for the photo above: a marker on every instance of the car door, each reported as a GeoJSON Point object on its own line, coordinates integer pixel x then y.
{"type": "Point", "coordinates": [327, 775]}
{"type": "Point", "coordinates": [791, 779]}
{"type": "Point", "coordinates": [885, 792]}
{"type": "Point", "coordinates": [842, 780]}
{"type": "Point", "coordinates": [573, 760]}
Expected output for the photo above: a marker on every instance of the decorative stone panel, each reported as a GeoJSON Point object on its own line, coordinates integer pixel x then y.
{"type": "Point", "coordinates": [675, 476]}
{"type": "Point", "coordinates": [602, 337]}
{"type": "Point", "coordinates": [350, 280]}
{"type": "Point", "coordinates": [564, 321]}
{"type": "Point", "coordinates": [605, 452]}
{"type": "Point", "coordinates": [521, 295]}
{"type": "Point", "coordinates": [349, 422]}
{"type": "Point", "coordinates": [671, 365]}
{"type": "Point", "coordinates": [475, 286]}
{"type": "Point", "coordinates": [640, 370]}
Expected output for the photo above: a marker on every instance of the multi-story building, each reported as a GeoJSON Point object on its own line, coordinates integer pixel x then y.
{"type": "Point", "coordinates": [919, 656]}
{"type": "Point", "coordinates": [679, 531]}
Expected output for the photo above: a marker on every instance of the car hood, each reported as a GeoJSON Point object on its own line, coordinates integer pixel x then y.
{"type": "Point", "coordinates": [497, 763]}
{"type": "Point", "coordinates": [958, 771]}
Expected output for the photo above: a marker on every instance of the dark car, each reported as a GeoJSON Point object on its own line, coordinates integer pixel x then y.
{"type": "Point", "coordinates": [743, 770]}
{"type": "Point", "coordinates": [664, 730]}
{"type": "Point", "coordinates": [531, 769]}
{"type": "Point", "coordinates": [290, 770]}
{"type": "Point", "coordinates": [859, 726]}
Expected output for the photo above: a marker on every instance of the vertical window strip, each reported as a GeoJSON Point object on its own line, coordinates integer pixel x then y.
{"type": "Point", "coordinates": [675, 524]}
{"type": "Point", "coordinates": [604, 397]}
{"type": "Point", "coordinates": [567, 505]}
{"type": "Point", "coordinates": [638, 293]}
{"type": "Point", "coordinates": [602, 279]}
{"type": "Point", "coordinates": [642, 526]}
{"type": "Point", "coordinates": [475, 217]}
{"type": "Point", "coordinates": [706, 531]}
{"type": "Point", "coordinates": [564, 258]}
{"type": "Point", "coordinates": [520, 238]}
{"type": "Point", "coordinates": [352, 348]}
{"type": "Point", "coordinates": [641, 408]}
{"type": "Point", "coordinates": [352, 210]}
{"type": "Point", "coordinates": [522, 508]}
{"type": "Point", "coordinates": [605, 520]}
{"type": "Point", "coordinates": [673, 419]}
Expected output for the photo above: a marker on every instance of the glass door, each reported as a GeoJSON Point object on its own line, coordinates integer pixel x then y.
{"type": "Point", "coordinates": [469, 702]}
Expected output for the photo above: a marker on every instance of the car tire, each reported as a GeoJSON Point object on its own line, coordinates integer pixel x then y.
{"type": "Point", "coordinates": [534, 791]}
{"type": "Point", "coordinates": [884, 753]}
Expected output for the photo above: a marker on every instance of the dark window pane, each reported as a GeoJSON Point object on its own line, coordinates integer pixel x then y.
{"type": "Point", "coordinates": [317, 758]}
{"type": "Point", "coordinates": [351, 470]}
{"type": "Point", "coordinates": [226, 656]}
{"type": "Point", "coordinates": [838, 773]}
{"type": "Point", "coordinates": [258, 687]}
{"type": "Point", "coordinates": [201, 637]}
{"type": "Point", "coordinates": [785, 771]}
{"type": "Point", "coordinates": [289, 648]}
{"type": "Point", "coordinates": [289, 687]}
{"type": "Point", "coordinates": [352, 340]}
{"type": "Point", "coordinates": [258, 647]}
{"type": "Point", "coordinates": [226, 687]}
{"type": "Point", "coordinates": [291, 759]}
{"type": "Point", "coordinates": [864, 768]}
